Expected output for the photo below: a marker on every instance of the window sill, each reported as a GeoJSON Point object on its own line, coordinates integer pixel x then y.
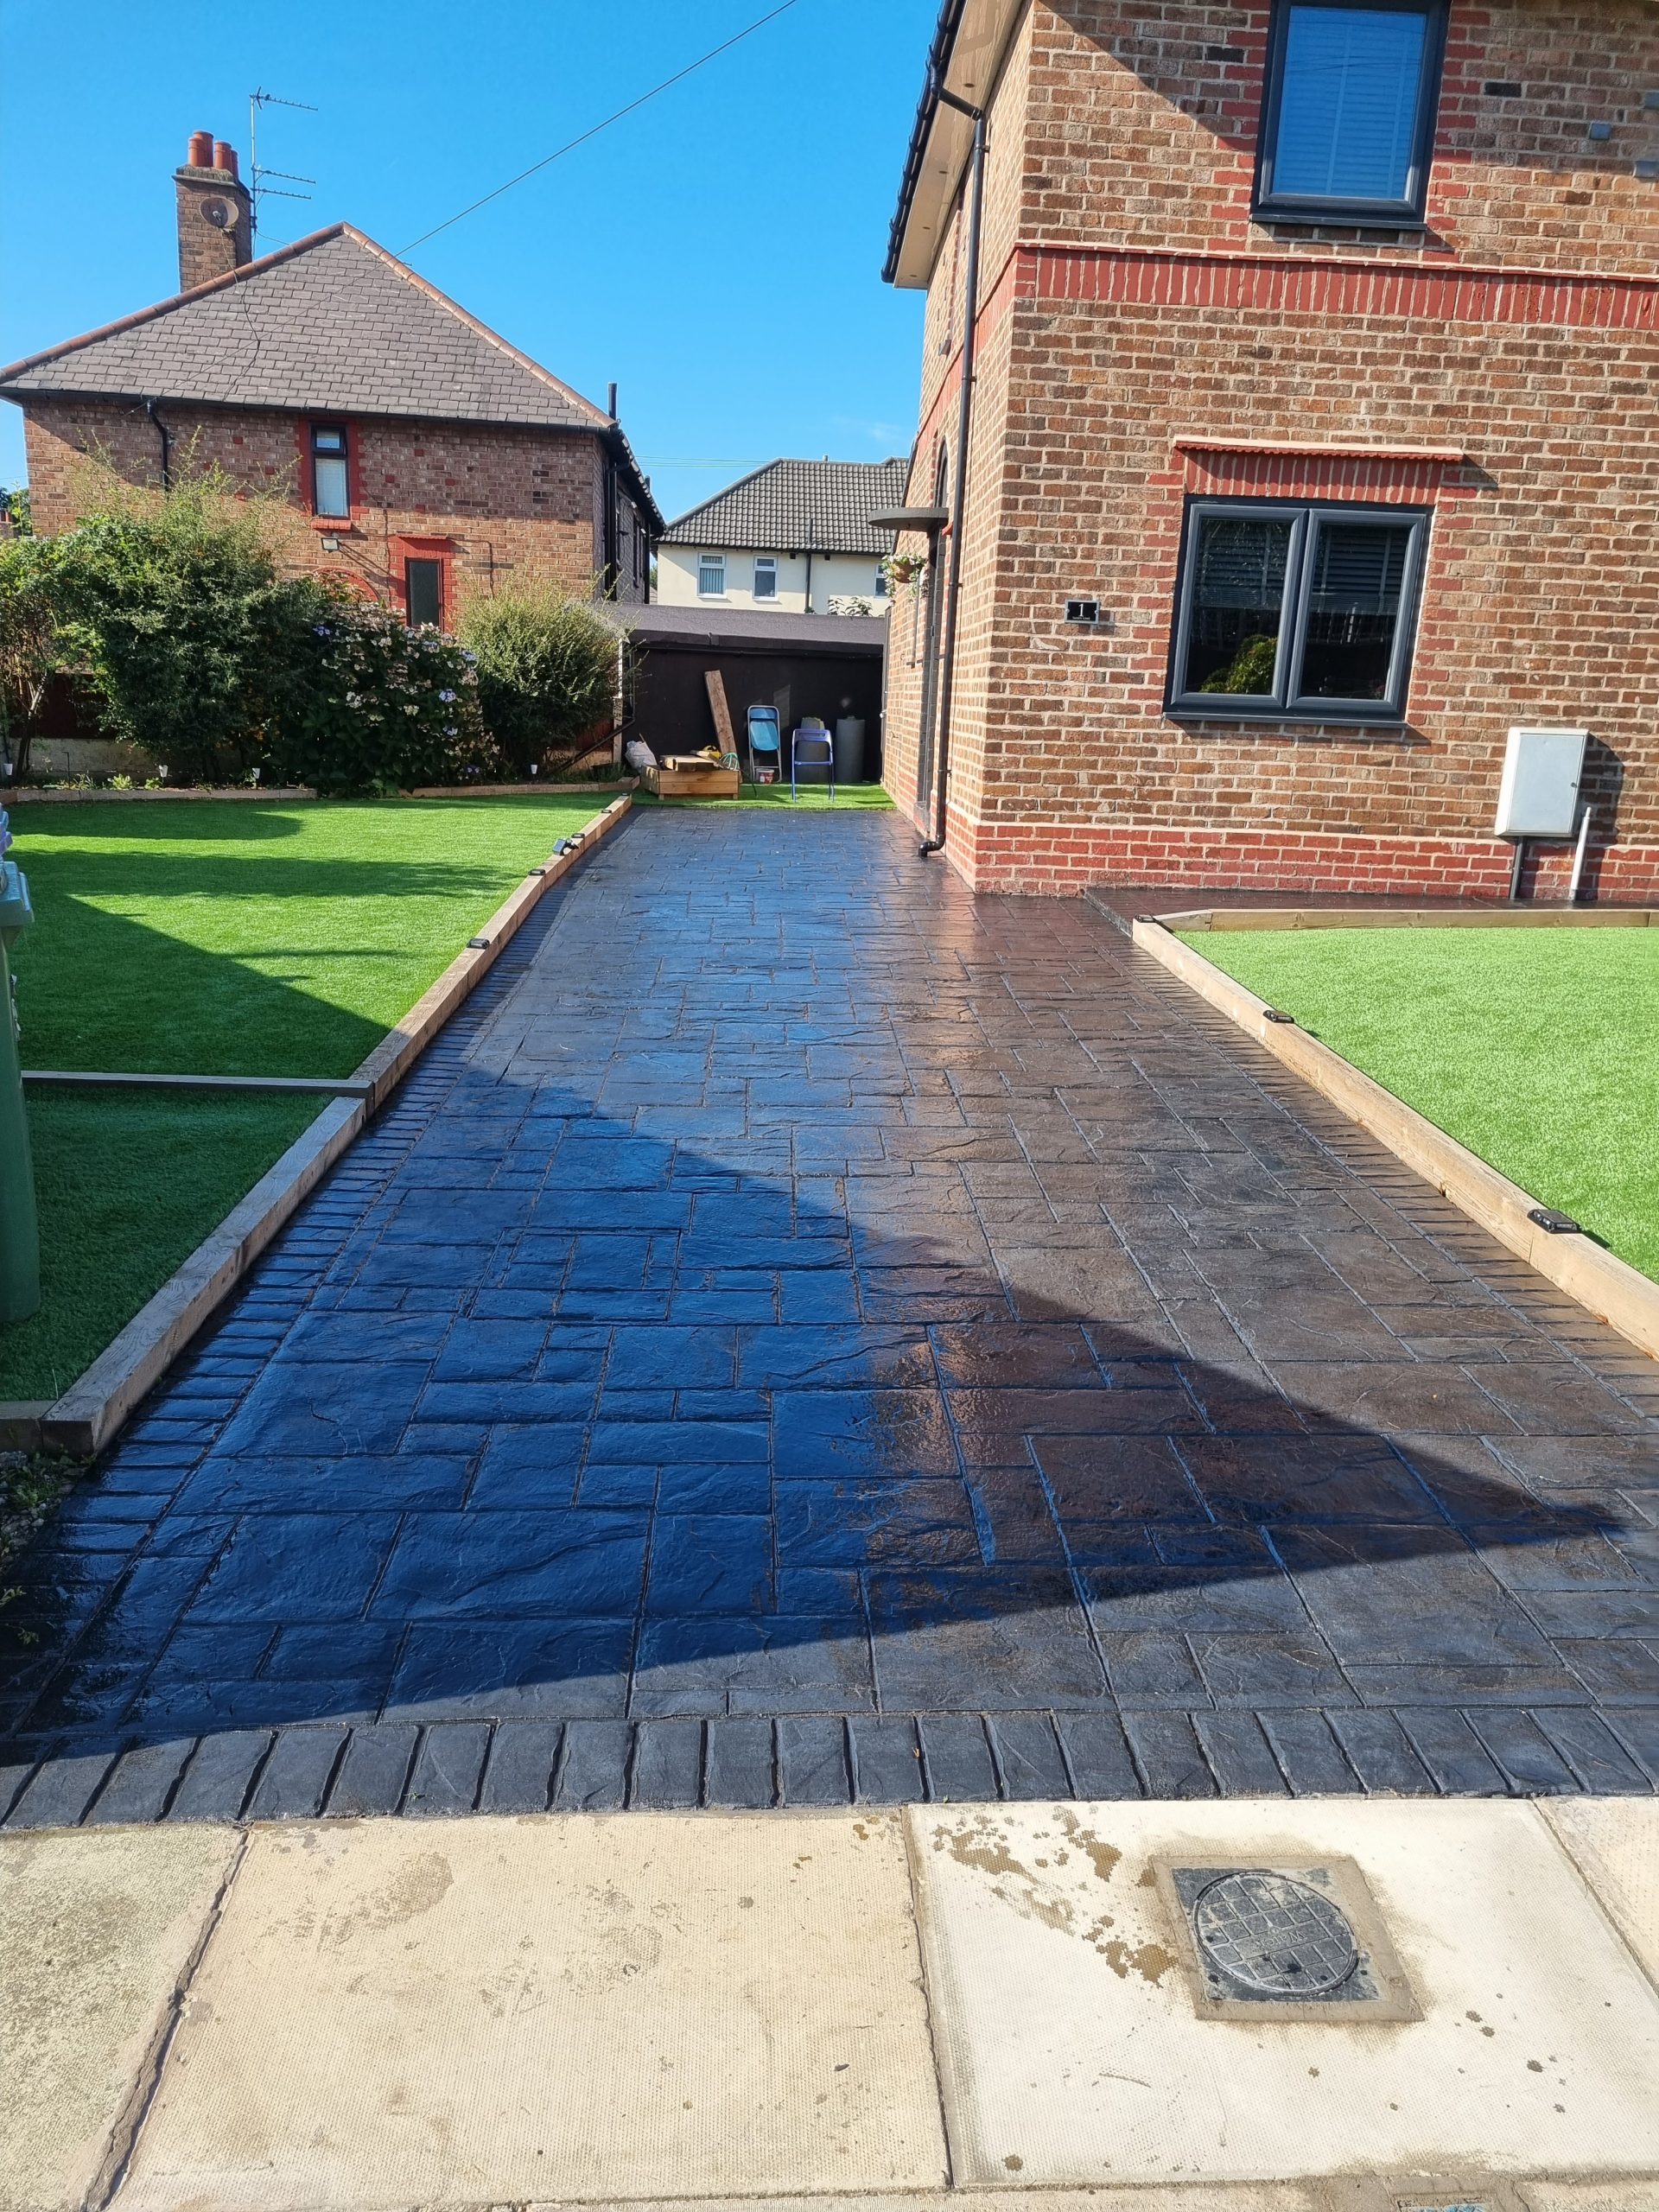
{"type": "Point", "coordinates": [1336, 217]}
{"type": "Point", "coordinates": [332, 525]}
{"type": "Point", "coordinates": [1290, 718]}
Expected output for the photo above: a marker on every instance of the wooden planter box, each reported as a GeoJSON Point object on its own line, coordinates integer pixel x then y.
{"type": "Point", "coordinates": [692, 779]}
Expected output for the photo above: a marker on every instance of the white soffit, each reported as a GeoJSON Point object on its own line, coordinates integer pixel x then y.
{"type": "Point", "coordinates": [981, 42]}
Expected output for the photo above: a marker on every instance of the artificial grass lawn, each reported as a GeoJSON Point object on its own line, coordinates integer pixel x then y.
{"type": "Point", "coordinates": [814, 795]}
{"type": "Point", "coordinates": [128, 1184]}
{"type": "Point", "coordinates": [238, 938]}
{"type": "Point", "coordinates": [1538, 1048]}
{"type": "Point", "coordinates": [218, 939]}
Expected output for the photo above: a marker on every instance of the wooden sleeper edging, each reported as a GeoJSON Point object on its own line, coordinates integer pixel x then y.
{"type": "Point", "coordinates": [96, 1405]}
{"type": "Point", "coordinates": [1609, 1287]}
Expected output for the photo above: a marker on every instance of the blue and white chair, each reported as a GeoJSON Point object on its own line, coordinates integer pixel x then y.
{"type": "Point", "coordinates": [766, 743]}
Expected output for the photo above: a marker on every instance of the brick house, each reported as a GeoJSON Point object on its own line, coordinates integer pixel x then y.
{"type": "Point", "coordinates": [421, 455]}
{"type": "Point", "coordinates": [1311, 445]}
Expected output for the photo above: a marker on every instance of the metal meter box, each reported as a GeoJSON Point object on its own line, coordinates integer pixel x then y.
{"type": "Point", "coordinates": [1539, 794]}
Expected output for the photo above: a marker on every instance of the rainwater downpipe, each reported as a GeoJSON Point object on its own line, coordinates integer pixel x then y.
{"type": "Point", "coordinates": [166, 437]}
{"type": "Point", "coordinates": [959, 494]}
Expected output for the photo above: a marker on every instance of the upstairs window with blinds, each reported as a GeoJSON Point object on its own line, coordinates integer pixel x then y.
{"type": "Point", "coordinates": [1303, 611]}
{"type": "Point", "coordinates": [331, 489]}
{"type": "Point", "coordinates": [711, 575]}
{"type": "Point", "coordinates": [1348, 120]}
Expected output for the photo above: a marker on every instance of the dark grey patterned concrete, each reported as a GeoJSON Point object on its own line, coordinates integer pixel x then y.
{"type": "Point", "coordinates": [809, 1334]}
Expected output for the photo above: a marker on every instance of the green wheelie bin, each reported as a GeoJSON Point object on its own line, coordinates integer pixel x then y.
{"type": "Point", "coordinates": [20, 1234]}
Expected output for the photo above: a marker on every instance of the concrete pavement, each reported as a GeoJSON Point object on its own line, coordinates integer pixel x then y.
{"type": "Point", "coordinates": [897, 2009]}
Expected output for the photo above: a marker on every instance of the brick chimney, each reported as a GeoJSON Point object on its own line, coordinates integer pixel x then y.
{"type": "Point", "coordinates": [215, 213]}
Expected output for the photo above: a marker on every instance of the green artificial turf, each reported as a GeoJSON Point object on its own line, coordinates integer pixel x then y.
{"type": "Point", "coordinates": [813, 795]}
{"type": "Point", "coordinates": [240, 937]}
{"type": "Point", "coordinates": [234, 937]}
{"type": "Point", "coordinates": [128, 1184]}
{"type": "Point", "coordinates": [1538, 1048]}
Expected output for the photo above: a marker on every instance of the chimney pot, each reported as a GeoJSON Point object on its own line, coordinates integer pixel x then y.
{"type": "Point", "coordinates": [215, 213]}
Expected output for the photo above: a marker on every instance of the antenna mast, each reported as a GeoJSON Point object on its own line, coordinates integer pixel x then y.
{"type": "Point", "coordinates": [258, 188]}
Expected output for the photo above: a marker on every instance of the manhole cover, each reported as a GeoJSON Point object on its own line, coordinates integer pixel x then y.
{"type": "Point", "coordinates": [1274, 1937]}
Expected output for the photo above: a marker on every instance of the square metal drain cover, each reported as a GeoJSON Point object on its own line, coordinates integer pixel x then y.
{"type": "Point", "coordinates": [1287, 1939]}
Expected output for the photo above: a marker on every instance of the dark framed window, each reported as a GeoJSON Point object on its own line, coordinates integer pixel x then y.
{"type": "Point", "coordinates": [423, 593]}
{"type": "Point", "coordinates": [1296, 610]}
{"type": "Point", "coordinates": [1348, 111]}
{"type": "Point", "coordinates": [331, 484]}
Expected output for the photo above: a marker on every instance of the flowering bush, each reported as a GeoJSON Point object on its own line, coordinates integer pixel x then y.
{"type": "Point", "coordinates": [380, 707]}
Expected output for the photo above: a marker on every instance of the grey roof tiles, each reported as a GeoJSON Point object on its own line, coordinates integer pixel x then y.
{"type": "Point", "coordinates": [333, 322]}
{"type": "Point", "coordinates": [790, 505]}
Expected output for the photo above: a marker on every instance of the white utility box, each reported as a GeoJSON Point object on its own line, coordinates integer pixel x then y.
{"type": "Point", "coordinates": [1539, 794]}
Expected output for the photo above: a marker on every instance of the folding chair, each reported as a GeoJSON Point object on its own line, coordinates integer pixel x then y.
{"type": "Point", "coordinates": [766, 743]}
{"type": "Point", "coordinates": [811, 733]}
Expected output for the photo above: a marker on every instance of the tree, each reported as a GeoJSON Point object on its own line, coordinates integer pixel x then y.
{"type": "Point", "coordinates": [34, 646]}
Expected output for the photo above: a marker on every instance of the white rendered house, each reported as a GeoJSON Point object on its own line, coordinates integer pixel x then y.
{"type": "Point", "coordinates": [794, 536]}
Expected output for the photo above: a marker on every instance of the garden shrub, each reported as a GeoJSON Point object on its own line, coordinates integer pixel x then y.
{"type": "Point", "coordinates": [546, 672]}
{"type": "Point", "coordinates": [377, 707]}
{"type": "Point", "coordinates": [190, 634]}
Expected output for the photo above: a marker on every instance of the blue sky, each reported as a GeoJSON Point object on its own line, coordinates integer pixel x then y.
{"type": "Point", "coordinates": [718, 253]}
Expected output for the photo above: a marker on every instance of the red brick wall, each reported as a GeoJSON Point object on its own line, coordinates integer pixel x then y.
{"type": "Point", "coordinates": [516, 506]}
{"type": "Point", "coordinates": [1143, 125]}
{"type": "Point", "coordinates": [1143, 310]}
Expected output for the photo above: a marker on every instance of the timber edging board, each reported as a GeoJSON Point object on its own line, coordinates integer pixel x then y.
{"type": "Point", "coordinates": [1211, 920]}
{"type": "Point", "coordinates": [96, 1406]}
{"type": "Point", "coordinates": [47, 795]}
{"type": "Point", "coordinates": [1609, 1287]}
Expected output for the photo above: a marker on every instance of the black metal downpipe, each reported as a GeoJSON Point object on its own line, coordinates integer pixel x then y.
{"type": "Point", "coordinates": [166, 437]}
{"type": "Point", "coordinates": [959, 494]}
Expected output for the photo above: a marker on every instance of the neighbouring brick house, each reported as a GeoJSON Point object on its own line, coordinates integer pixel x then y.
{"type": "Point", "coordinates": [1317, 359]}
{"type": "Point", "coordinates": [421, 456]}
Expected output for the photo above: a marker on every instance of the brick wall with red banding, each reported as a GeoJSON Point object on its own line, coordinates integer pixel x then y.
{"type": "Point", "coordinates": [520, 505]}
{"type": "Point", "coordinates": [1139, 335]}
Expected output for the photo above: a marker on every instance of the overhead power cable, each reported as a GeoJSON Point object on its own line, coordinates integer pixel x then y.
{"type": "Point", "coordinates": [570, 147]}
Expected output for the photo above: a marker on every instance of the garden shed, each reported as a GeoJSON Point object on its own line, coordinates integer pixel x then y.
{"type": "Point", "coordinates": [824, 664]}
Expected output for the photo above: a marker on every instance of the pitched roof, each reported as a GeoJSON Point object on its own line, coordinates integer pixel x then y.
{"type": "Point", "coordinates": [331, 321]}
{"type": "Point", "coordinates": [789, 506]}
{"type": "Point", "coordinates": [758, 630]}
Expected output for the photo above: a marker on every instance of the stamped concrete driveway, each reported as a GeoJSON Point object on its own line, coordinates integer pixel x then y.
{"type": "Point", "coordinates": [809, 1333]}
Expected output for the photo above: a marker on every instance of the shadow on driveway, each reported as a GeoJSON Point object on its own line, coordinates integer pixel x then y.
{"type": "Point", "coordinates": [818, 1336]}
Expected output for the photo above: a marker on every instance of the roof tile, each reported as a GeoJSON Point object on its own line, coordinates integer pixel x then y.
{"type": "Point", "coordinates": [792, 504]}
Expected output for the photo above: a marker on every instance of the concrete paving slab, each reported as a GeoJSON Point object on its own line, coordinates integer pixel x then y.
{"type": "Point", "coordinates": [1591, 2195]}
{"type": "Point", "coordinates": [1614, 1843]}
{"type": "Point", "coordinates": [1071, 2050]}
{"type": "Point", "coordinates": [394, 2014]}
{"type": "Point", "coordinates": [1279, 2197]}
{"type": "Point", "coordinates": [96, 1930]}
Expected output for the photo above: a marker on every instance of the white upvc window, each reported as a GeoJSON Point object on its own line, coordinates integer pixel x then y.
{"type": "Point", "coordinates": [711, 575]}
{"type": "Point", "coordinates": [766, 575]}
